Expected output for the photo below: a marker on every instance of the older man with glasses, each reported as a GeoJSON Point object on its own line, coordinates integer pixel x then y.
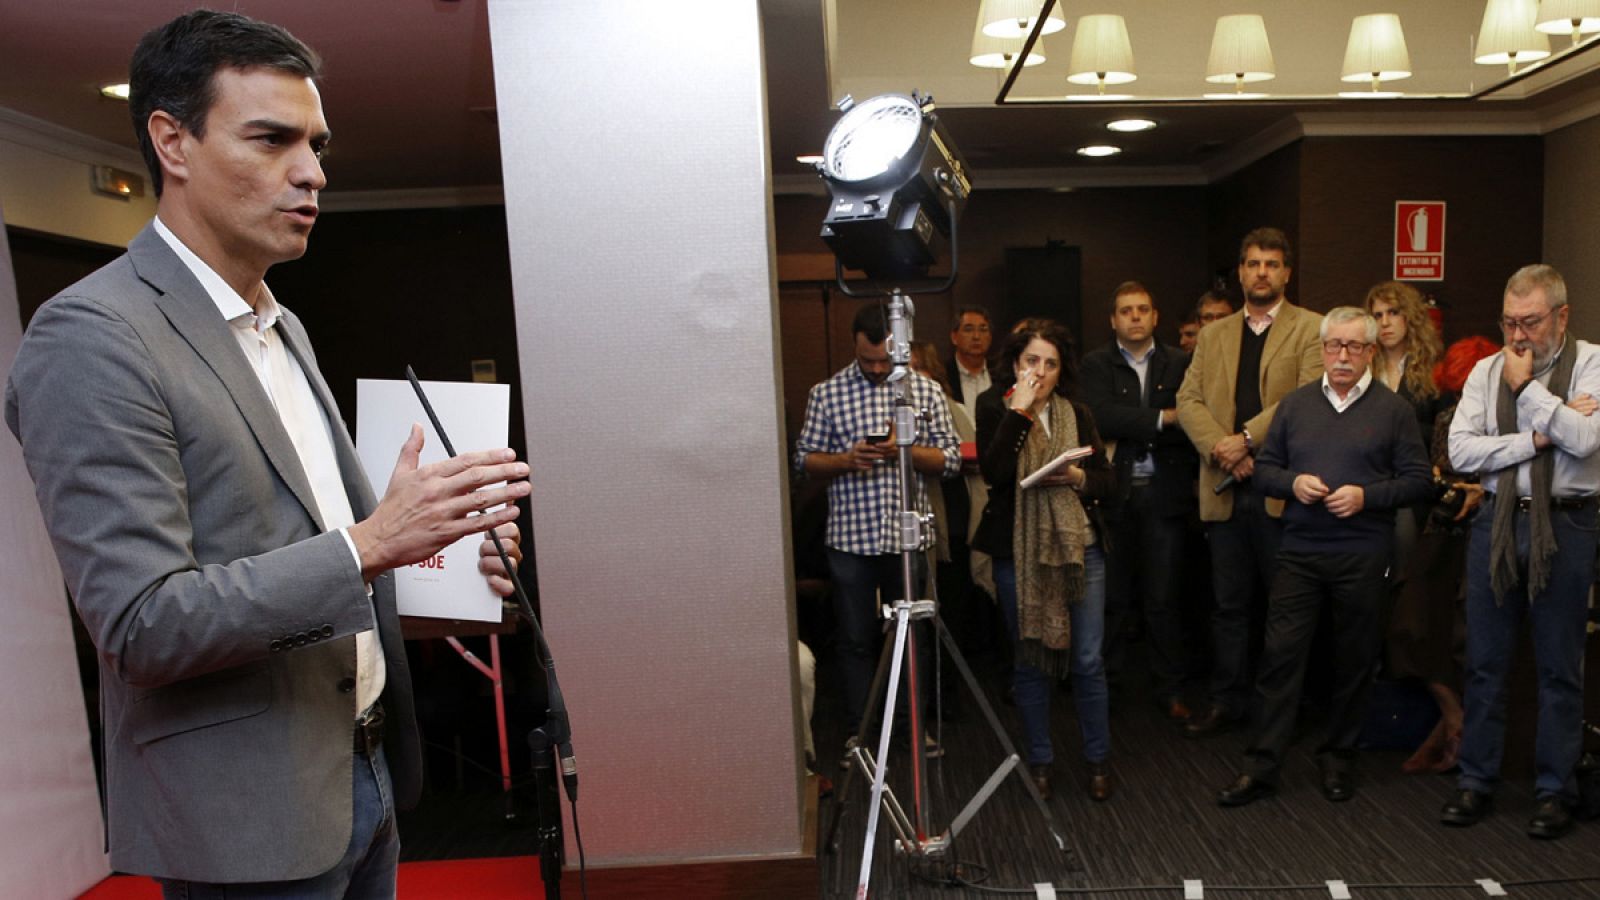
{"type": "Point", "coordinates": [1345, 452]}
{"type": "Point", "coordinates": [1526, 423]}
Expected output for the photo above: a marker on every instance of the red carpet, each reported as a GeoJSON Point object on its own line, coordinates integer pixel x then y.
{"type": "Point", "coordinates": [511, 878]}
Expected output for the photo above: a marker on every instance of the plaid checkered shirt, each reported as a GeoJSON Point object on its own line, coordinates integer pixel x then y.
{"type": "Point", "coordinates": [861, 505]}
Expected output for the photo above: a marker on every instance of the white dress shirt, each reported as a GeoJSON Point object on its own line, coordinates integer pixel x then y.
{"type": "Point", "coordinates": [303, 418]}
{"type": "Point", "coordinates": [972, 384]}
{"type": "Point", "coordinates": [1478, 447]}
{"type": "Point", "coordinates": [1142, 468]}
{"type": "Point", "coordinates": [1355, 394]}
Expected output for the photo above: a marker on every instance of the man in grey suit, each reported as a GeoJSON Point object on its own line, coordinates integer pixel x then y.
{"type": "Point", "coordinates": [209, 512]}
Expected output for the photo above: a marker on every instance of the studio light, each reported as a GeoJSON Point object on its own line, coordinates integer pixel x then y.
{"type": "Point", "coordinates": [896, 180]}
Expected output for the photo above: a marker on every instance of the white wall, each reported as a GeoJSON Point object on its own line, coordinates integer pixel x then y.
{"type": "Point", "coordinates": [1572, 219]}
{"type": "Point", "coordinates": [44, 183]}
{"type": "Point", "coordinates": [50, 826]}
{"type": "Point", "coordinates": [637, 204]}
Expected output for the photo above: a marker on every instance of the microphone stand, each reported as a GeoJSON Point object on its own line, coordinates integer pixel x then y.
{"type": "Point", "coordinates": [550, 743]}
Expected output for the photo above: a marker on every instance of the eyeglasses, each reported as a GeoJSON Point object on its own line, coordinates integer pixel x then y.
{"type": "Point", "coordinates": [1526, 323]}
{"type": "Point", "coordinates": [1356, 348]}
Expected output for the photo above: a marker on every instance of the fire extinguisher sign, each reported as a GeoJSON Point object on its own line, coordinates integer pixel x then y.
{"type": "Point", "coordinates": [1419, 240]}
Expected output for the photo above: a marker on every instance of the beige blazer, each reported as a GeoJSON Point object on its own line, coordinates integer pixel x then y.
{"type": "Point", "coordinates": [1292, 356]}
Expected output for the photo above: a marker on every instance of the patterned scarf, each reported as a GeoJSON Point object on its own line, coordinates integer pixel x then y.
{"type": "Point", "coordinates": [1049, 535]}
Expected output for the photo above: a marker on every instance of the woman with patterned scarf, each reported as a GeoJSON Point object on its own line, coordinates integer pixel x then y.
{"type": "Point", "coordinates": [1049, 563]}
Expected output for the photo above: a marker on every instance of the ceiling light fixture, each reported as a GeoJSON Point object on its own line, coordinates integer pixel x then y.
{"type": "Point", "coordinates": [1574, 17]}
{"type": "Point", "coordinates": [1240, 53]}
{"type": "Point", "coordinates": [1507, 35]}
{"type": "Point", "coordinates": [809, 159]}
{"type": "Point", "coordinates": [1101, 52]}
{"type": "Point", "coordinates": [990, 52]}
{"type": "Point", "coordinates": [118, 91]}
{"type": "Point", "coordinates": [1099, 151]}
{"type": "Point", "coordinates": [1130, 126]}
{"type": "Point", "coordinates": [1016, 18]}
{"type": "Point", "coordinates": [1376, 52]}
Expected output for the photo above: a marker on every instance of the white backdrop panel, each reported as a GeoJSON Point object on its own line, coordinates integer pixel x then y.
{"type": "Point", "coordinates": [633, 137]}
{"type": "Point", "coordinates": [50, 827]}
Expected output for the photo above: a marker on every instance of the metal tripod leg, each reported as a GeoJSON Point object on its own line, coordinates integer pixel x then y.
{"type": "Point", "coordinates": [864, 763]}
{"type": "Point", "coordinates": [1012, 762]}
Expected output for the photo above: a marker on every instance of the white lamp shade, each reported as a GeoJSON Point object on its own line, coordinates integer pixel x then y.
{"type": "Point", "coordinates": [1507, 34]}
{"type": "Point", "coordinates": [1101, 51]}
{"type": "Point", "coordinates": [1569, 16]}
{"type": "Point", "coordinates": [1239, 51]}
{"type": "Point", "coordinates": [999, 53]}
{"type": "Point", "coordinates": [1016, 18]}
{"type": "Point", "coordinates": [1377, 49]}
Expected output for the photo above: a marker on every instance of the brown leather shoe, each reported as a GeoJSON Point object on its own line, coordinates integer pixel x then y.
{"type": "Point", "coordinates": [1041, 780]}
{"type": "Point", "coordinates": [1099, 782]}
{"type": "Point", "coordinates": [1215, 720]}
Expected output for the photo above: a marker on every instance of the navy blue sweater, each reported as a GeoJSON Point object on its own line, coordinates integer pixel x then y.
{"type": "Point", "coordinates": [1374, 443]}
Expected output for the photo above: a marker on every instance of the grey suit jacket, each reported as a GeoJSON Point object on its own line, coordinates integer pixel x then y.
{"type": "Point", "coordinates": [222, 610]}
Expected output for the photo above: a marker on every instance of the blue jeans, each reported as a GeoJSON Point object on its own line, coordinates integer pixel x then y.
{"type": "Point", "coordinates": [366, 872]}
{"type": "Point", "coordinates": [1032, 687]}
{"type": "Point", "coordinates": [858, 581]}
{"type": "Point", "coordinates": [1557, 618]}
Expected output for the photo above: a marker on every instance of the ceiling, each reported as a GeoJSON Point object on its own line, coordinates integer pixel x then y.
{"type": "Point", "coordinates": [412, 102]}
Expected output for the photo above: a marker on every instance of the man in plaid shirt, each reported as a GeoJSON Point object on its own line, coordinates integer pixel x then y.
{"type": "Point", "coordinates": [862, 540]}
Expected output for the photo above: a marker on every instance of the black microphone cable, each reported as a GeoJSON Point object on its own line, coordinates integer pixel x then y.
{"type": "Point", "coordinates": [557, 728]}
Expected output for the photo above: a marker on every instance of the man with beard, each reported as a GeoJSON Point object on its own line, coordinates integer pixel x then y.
{"type": "Point", "coordinates": [1525, 421]}
{"type": "Point", "coordinates": [847, 438]}
{"type": "Point", "coordinates": [1244, 364]}
{"type": "Point", "coordinates": [1347, 452]}
{"type": "Point", "coordinates": [1131, 387]}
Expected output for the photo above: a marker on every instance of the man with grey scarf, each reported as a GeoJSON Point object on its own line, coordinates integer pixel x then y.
{"type": "Point", "coordinates": [1526, 424]}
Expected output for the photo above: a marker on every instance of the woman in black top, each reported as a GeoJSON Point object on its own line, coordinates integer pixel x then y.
{"type": "Point", "coordinates": [1046, 541]}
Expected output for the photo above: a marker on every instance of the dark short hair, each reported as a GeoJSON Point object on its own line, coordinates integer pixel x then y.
{"type": "Point", "coordinates": [963, 311]}
{"type": "Point", "coordinates": [1193, 318]}
{"type": "Point", "coordinates": [1267, 239]}
{"type": "Point", "coordinates": [175, 65]}
{"type": "Point", "coordinates": [1210, 297]}
{"type": "Point", "coordinates": [1129, 287]}
{"type": "Point", "coordinates": [871, 321]}
{"type": "Point", "coordinates": [1045, 330]}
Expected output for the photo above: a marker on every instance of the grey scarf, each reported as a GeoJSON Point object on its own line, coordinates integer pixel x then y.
{"type": "Point", "coordinates": [1541, 536]}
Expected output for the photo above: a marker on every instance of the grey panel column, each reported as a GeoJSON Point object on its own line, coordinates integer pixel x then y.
{"type": "Point", "coordinates": [633, 136]}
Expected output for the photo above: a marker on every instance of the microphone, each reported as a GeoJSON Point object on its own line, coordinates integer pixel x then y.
{"type": "Point", "coordinates": [1224, 484]}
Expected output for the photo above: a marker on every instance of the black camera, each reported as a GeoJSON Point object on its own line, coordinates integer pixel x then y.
{"type": "Point", "coordinates": [1447, 502]}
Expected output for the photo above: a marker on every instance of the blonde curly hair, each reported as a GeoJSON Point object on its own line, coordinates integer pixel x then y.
{"type": "Point", "coordinates": [1423, 346]}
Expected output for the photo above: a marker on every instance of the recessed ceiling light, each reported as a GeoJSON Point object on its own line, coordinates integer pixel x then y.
{"type": "Point", "coordinates": [809, 159]}
{"type": "Point", "coordinates": [114, 91]}
{"type": "Point", "coordinates": [1099, 150]}
{"type": "Point", "coordinates": [1129, 126]}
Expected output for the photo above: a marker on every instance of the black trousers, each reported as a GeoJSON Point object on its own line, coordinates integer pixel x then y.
{"type": "Point", "coordinates": [1142, 572]}
{"type": "Point", "coordinates": [1353, 585]}
{"type": "Point", "coordinates": [1244, 552]}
